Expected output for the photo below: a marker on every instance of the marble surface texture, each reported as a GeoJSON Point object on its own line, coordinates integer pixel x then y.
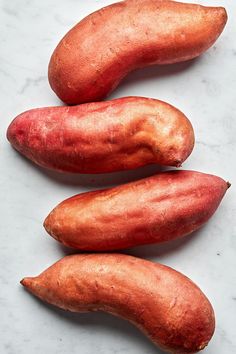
{"type": "Point", "coordinates": [204, 89]}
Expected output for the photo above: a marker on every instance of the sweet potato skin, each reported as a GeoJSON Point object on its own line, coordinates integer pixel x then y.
{"type": "Point", "coordinates": [95, 55]}
{"type": "Point", "coordinates": [121, 134]}
{"type": "Point", "coordinates": [153, 210]}
{"type": "Point", "coordinates": [168, 307]}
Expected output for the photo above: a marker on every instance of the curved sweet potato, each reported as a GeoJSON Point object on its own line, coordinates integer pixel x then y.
{"type": "Point", "coordinates": [103, 137]}
{"type": "Point", "coordinates": [99, 51]}
{"type": "Point", "coordinates": [153, 210]}
{"type": "Point", "coordinates": [168, 307]}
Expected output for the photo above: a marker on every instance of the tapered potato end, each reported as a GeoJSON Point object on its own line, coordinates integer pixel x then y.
{"type": "Point", "coordinates": [27, 282]}
{"type": "Point", "coordinates": [202, 27]}
{"type": "Point", "coordinates": [221, 15]}
{"type": "Point", "coordinates": [17, 130]}
{"type": "Point", "coordinates": [39, 285]}
{"type": "Point", "coordinates": [217, 19]}
{"type": "Point", "coordinates": [48, 225]}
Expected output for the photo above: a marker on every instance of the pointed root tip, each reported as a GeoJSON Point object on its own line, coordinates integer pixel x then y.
{"type": "Point", "coordinates": [22, 281]}
{"type": "Point", "coordinates": [220, 14]}
{"type": "Point", "coordinates": [224, 13]}
{"type": "Point", "coordinates": [46, 224]}
{"type": "Point", "coordinates": [202, 346]}
{"type": "Point", "coordinates": [8, 134]}
{"type": "Point", "coordinates": [179, 164]}
{"type": "Point", "coordinates": [25, 281]}
{"type": "Point", "coordinates": [228, 185]}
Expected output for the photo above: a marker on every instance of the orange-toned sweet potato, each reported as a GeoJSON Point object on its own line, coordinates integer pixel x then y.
{"type": "Point", "coordinates": [102, 137]}
{"type": "Point", "coordinates": [167, 306]}
{"type": "Point", "coordinates": [99, 51]}
{"type": "Point", "coordinates": [155, 209]}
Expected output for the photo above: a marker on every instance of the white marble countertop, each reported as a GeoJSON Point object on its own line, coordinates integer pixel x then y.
{"type": "Point", "coordinates": [204, 89]}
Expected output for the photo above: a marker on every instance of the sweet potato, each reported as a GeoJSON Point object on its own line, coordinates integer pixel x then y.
{"type": "Point", "coordinates": [103, 137]}
{"type": "Point", "coordinates": [95, 55]}
{"type": "Point", "coordinates": [153, 210]}
{"type": "Point", "coordinates": [167, 306]}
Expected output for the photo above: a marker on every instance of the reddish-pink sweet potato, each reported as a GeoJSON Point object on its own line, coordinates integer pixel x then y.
{"type": "Point", "coordinates": [99, 51]}
{"type": "Point", "coordinates": [169, 308]}
{"type": "Point", "coordinates": [121, 134]}
{"type": "Point", "coordinates": [155, 209]}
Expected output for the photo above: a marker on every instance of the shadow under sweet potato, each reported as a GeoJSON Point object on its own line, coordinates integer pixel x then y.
{"type": "Point", "coordinates": [102, 324]}
{"type": "Point", "coordinates": [151, 73]}
{"type": "Point", "coordinates": [93, 180]}
{"type": "Point", "coordinates": [166, 248]}
{"type": "Point", "coordinates": [150, 251]}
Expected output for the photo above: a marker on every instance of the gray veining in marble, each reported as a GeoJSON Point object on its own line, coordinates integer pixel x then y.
{"type": "Point", "coordinates": [204, 89]}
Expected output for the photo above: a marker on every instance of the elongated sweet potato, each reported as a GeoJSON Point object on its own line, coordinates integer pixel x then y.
{"type": "Point", "coordinates": [153, 210]}
{"type": "Point", "coordinates": [99, 51]}
{"type": "Point", "coordinates": [104, 137]}
{"type": "Point", "coordinates": [168, 307]}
